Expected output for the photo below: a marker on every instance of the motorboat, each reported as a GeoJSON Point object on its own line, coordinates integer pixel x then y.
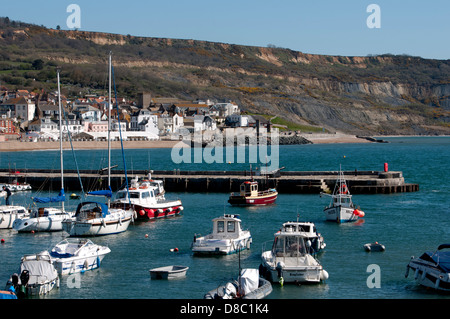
{"type": "Point", "coordinates": [341, 208]}
{"type": "Point", "coordinates": [42, 219]}
{"type": "Point", "coordinates": [73, 255]}
{"type": "Point", "coordinates": [146, 197]}
{"type": "Point", "coordinates": [97, 219]}
{"type": "Point", "coordinates": [248, 286]}
{"type": "Point", "coordinates": [38, 276]}
{"type": "Point", "coordinates": [227, 237]}
{"type": "Point", "coordinates": [9, 213]}
{"type": "Point", "coordinates": [314, 241]}
{"type": "Point", "coordinates": [168, 272]}
{"type": "Point", "coordinates": [432, 269]}
{"type": "Point", "coordinates": [290, 260]}
{"type": "Point", "coordinates": [249, 195]}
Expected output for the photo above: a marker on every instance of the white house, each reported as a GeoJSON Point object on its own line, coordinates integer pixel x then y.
{"type": "Point", "coordinates": [170, 124]}
{"type": "Point", "coordinates": [20, 108]}
{"type": "Point", "coordinates": [204, 122]}
{"type": "Point", "coordinates": [224, 109]}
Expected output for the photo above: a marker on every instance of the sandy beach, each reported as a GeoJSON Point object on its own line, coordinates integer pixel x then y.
{"type": "Point", "coordinates": [17, 146]}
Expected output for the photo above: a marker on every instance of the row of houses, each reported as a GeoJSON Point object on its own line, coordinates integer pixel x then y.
{"type": "Point", "coordinates": [87, 117]}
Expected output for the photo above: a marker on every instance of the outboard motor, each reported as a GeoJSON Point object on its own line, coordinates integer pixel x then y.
{"type": "Point", "coordinates": [15, 280]}
{"type": "Point", "coordinates": [24, 277]}
{"type": "Point", "coordinates": [279, 268]}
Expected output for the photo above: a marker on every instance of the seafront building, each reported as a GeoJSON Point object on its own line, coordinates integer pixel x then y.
{"type": "Point", "coordinates": [35, 117]}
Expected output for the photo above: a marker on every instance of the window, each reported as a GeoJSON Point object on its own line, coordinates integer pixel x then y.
{"type": "Point", "coordinates": [231, 226]}
{"type": "Point", "coordinates": [220, 226]}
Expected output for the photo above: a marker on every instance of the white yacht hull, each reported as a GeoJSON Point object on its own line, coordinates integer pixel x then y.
{"type": "Point", "coordinates": [221, 246]}
{"type": "Point", "coordinates": [40, 224]}
{"type": "Point", "coordinates": [71, 265]}
{"type": "Point", "coordinates": [292, 271]}
{"type": "Point", "coordinates": [428, 275]}
{"type": "Point", "coordinates": [96, 227]}
{"type": "Point", "coordinates": [9, 214]}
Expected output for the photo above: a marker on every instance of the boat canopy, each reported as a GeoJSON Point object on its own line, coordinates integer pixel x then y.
{"type": "Point", "coordinates": [105, 192]}
{"type": "Point", "coordinates": [60, 198]}
{"type": "Point", "coordinates": [40, 268]}
{"type": "Point", "coordinates": [92, 207]}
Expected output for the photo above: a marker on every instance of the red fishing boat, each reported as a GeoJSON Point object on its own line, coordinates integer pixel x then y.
{"type": "Point", "coordinates": [249, 195]}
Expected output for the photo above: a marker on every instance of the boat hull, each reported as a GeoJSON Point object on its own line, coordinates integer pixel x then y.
{"type": "Point", "coordinates": [67, 266]}
{"type": "Point", "coordinates": [340, 214]}
{"type": "Point", "coordinates": [290, 273]}
{"type": "Point", "coordinates": [238, 200]}
{"type": "Point", "coordinates": [161, 211]}
{"type": "Point", "coordinates": [220, 247]}
{"type": "Point", "coordinates": [9, 214]}
{"type": "Point", "coordinates": [39, 224]}
{"type": "Point", "coordinates": [96, 227]}
{"type": "Point", "coordinates": [427, 275]}
{"type": "Point", "coordinates": [169, 272]}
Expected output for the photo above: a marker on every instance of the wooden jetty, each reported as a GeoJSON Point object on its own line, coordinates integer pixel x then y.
{"type": "Point", "coordinates": [288, 182]}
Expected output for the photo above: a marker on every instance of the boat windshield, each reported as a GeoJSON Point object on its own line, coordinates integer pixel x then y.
{"type": "Point", "coordinates": [123, 195]}
{"type": "Point", "coordinates": [286, 246]}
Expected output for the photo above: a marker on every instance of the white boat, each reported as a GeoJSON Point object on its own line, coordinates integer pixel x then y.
{"type": "Point", "coordinates": [42, 219]}
{"type": "Point", "coordinates": [289, 260]}
{"type": "Point", "coordinates": [96, 219]}
{"type": "Point", "coordinates": [9, 213]}
{"type": "Point", "coordinates": [146, 198]}
{"type": "Point", "coordinates": [226, 238]}
{"type": "Point", "coordinates": [432, 269]}
{"type": "Point", "coordinates": [168, 272]}
{"type": "Point", "coordinates": [314, 241]}
{"type": "Point", "coordinates": [248, 286]}
{"type": "Point", "coordinates": [38, 275]}
{"type": "Point", "coordinates": [77, 255]}
{"type": "Point", "coordinates": [341, 208]}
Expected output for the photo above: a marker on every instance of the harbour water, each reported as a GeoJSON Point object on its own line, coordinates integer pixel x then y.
{"type": "Point", "coordinates": [406, 223]}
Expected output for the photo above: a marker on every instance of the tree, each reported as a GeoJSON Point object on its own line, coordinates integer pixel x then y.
{"type": "Point", "coordinates": [38, 64]}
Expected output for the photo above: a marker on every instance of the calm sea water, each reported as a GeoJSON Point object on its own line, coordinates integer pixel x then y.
{"type": "Point", "coordinates": [407, 224]}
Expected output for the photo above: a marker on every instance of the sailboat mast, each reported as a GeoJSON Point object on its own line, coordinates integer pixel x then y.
{"type": "Point", "coordinates": [60, 136]}
{"type": "Point", "coordinates": [109, 125]}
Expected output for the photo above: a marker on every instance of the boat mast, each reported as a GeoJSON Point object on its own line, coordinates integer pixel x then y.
{"type": "Point", "coordinates": [60, 136]}
{"type": "Point", "coordinates": [109, 125]}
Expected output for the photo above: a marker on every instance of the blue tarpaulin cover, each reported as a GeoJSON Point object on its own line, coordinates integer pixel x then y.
{"type": "Point", "coordinates": [106, 192]}
{"type": "Point", "coordinates": [60, 198]}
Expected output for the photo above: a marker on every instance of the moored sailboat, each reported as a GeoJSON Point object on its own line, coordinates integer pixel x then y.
{"type": "Point", "coordinates": [97, 219]}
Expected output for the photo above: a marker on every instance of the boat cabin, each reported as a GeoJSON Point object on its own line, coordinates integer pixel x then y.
{"type": "Point", "coordinates": [286, 245]}
{"type": "Point", "coordinates": [304, 228]}
{"type": "Point", "coordinates": [227, 226]}
{"type": "Point", "coordinates": [249, 189]}
{"type": "Point", "coordinates": [141, 194]}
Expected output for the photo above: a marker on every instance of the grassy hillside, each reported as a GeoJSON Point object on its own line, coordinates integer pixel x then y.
{"type": "Point", "coordinates": [364, 95]}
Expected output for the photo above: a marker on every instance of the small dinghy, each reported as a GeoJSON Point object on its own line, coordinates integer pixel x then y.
{"type": "Point", "coordinates": [168, 272]}
{"type": "Point", "coordinates": [374, 247]}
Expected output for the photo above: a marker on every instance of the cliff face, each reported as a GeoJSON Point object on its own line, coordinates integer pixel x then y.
{"type": "Point", "coordinates": [360, 95]}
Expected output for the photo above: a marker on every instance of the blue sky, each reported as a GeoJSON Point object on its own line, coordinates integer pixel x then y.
{"type": "Point", "coordinates": [418, 28]}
